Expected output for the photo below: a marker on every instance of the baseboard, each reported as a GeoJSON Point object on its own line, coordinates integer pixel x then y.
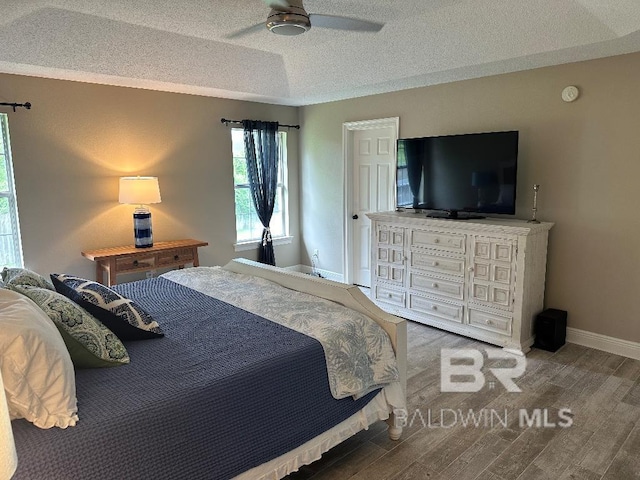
{"type": "Point", "coordinates": [604, 343]}
{"type": "Point", "coordinates": [336, 277]}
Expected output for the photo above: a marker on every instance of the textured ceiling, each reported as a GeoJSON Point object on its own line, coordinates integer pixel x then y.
{"type": "Point", "coordinates": [181, 45]}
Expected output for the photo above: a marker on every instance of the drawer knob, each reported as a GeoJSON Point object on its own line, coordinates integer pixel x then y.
{"type": "Point", "coordinates": [389, 295]}
{"type": "Point", "coordinates": [436, 240]}
{"type": "Point", "coordinates": [434, 307]}
{"type": "Point", "coordinates": [435, 264]}
{"type": "Point", "coordinates": [470, 269]}
{"type": "Point", "coordinates": [434, 285]}
{"type": "Point", "coordinates": [489, 322]}
{"type": "Point", "coordinates": [176, 257]}
{"type": "Point", "coordinates": [135, 263]}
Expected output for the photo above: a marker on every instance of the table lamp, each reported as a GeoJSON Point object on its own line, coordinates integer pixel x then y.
{"type": "Point", "coordinates": [8, 456]}
{"type": "Point", "coordinates": [140, 191]}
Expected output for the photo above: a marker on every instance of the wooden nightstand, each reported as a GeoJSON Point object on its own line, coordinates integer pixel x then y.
{"type": "Point", "coordinates": [129, 259]}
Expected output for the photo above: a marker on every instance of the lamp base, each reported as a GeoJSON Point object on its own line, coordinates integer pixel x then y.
{"type": "Point", "coordinates": [142, 231]}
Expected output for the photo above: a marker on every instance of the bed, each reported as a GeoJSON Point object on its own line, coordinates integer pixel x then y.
{"type": "Point", "coordinates": [228, 392]}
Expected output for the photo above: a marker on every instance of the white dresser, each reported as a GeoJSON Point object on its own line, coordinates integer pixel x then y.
{"type": "Point", "coordinates": [480, 278]}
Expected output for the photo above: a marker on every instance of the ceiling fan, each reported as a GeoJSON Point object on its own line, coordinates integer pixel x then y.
{"type": "Point", "coordinates": [288, 17]}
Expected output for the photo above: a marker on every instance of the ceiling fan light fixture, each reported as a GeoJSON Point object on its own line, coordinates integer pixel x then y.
{"type": "Point", "coordinates": [286, 23]}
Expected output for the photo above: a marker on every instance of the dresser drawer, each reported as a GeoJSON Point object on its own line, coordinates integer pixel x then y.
{"type": "Point", "coordinates": [432, 285]}
{"type": "Point", "coordinates": [389, 295]}
{"type": "Point", "coordinates": [435, 308]}
{"type": "Point", "coordinates": [390, 255]}
{"type": "Point", "coordinates": [390, 273]}
{"type": "Point", "coordinates": [438, 264]}
{"type": "Point", "coordinates": [449, 242]}
{"type": "Point", "coordinates": [490, 321]}
{"type": "Point", "coordinates": [492, 294]}
{"type": "Point", "coordinates": [135, 263]}
{"type": "Point", "coordinates": [492, 272]}
{"type": "Point", "coordinates": [391, 236]}
{"type": "Point", "coordinates": [184, 255]}
{"type": "Point", "coordinates": [494, 249]}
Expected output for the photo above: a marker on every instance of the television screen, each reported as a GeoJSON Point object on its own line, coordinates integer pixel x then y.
{"type": "Point", "coordinates": [458, 173]}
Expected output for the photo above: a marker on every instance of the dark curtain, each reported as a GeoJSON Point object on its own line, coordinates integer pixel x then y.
{"type": "Point", "coordinates": [260, 143]}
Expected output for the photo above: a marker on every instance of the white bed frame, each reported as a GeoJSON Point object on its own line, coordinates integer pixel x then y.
{"type": "Point", "coordinates": [348, 295]}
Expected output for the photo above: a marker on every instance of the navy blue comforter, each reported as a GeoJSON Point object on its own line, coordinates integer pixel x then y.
{"type": "Point", "coordinates": [222, 392]}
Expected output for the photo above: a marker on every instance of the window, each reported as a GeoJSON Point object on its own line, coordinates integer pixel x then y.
{"type": "Point", "coordinates": [248, 226]}
{"type": "Point", "coordinates": [403, 190]}
{"type": "Point", "coordinates": [10, 247]}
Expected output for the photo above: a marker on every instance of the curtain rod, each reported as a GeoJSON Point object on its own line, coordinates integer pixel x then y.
{"type": "Point", "coordinates": [239, 122]}
{"type": "Point", "coordinates": [26, 105]}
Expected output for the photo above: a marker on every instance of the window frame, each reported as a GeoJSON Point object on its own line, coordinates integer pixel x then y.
{"type": "Point", "coordinates": [10, 193]}
{"type": "Point", "coordinates": [282, 192]}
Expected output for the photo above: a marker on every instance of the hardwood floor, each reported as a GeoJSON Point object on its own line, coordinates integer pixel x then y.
{"type": "Point", "coordinates": [601, 390]}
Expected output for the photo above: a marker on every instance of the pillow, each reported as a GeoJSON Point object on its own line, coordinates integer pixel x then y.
{"type": "Point", "coordinates": [21, 276]}
{"type": "Point", "coordinates": [89, 342]}
{"type": "Point", "coordinates": [38, 374]}
{"type": "Point", "coordinates": [122, 316]}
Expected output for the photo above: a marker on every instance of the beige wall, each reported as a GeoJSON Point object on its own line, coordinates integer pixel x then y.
{"type": "Point", "coordinates": [585, 155]}
{"type": "Point", "coordinates": [71, 147]}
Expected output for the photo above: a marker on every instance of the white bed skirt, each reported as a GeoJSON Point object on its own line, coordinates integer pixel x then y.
{"type": "Point", "coordinates": [377, 409]}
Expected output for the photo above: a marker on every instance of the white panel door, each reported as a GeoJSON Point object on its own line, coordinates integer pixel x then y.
{"type": "Point", "coordinates": [373, 191]}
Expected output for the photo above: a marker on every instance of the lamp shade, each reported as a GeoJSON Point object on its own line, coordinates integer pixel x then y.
{"type": "Point", "coordinates": [139, 190]}
{"type": "Point", "coordinates": [8, 457]}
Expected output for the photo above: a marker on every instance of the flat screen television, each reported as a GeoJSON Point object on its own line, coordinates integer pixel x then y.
{"type": "Point", "coordinates": [471, 173]}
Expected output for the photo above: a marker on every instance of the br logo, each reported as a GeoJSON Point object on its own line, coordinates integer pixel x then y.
{"type": "Point", "coordinates": [461, 369]}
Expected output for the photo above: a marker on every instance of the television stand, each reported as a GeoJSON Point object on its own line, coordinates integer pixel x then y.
{"type": "Point", "coordinates": [454, 215]}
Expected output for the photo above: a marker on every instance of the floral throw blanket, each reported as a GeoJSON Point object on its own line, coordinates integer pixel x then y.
{"type": "Point", "coordinates": [358, 351]}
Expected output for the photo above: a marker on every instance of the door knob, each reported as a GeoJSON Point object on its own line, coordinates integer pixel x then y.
{"type": "Point", "coordinates": [355, 217]}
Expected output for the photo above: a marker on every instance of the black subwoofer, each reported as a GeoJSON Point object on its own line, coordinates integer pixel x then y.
{"type": "Point", "coordinates": [550, 329]}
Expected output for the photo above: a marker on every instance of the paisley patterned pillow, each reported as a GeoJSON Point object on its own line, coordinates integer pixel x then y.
{"type": "Point", "coordinates": [89, 342]}
{"type": "Point", "coordinates": [124, 317]}
{"type": "Point", "coordinates": [22, 276]}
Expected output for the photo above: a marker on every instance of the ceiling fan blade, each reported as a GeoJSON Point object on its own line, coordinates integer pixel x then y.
{"type": "Point", "coordinates": [247, 31]}
{"type": "Point", "coordinates": [344, 23]}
